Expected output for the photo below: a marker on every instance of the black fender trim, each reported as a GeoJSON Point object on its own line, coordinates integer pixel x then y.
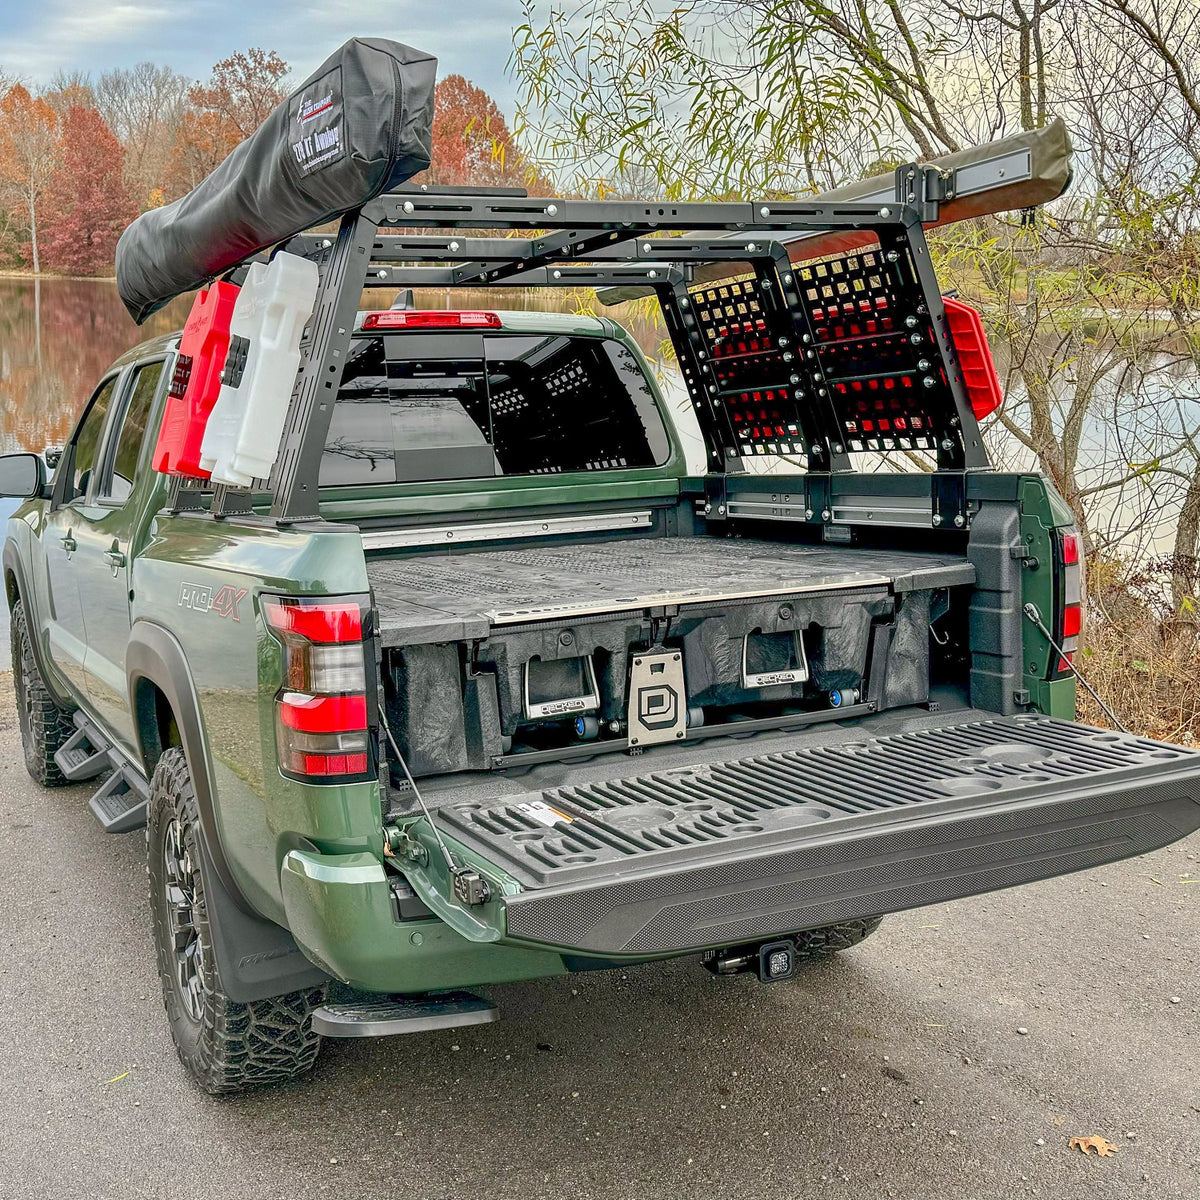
{"type": "Point", "coordinates": [256, 958]}
{"type": "Point", "coordinates": [155, 655]}
{"type": "Point", "coordinates": [12, 563]}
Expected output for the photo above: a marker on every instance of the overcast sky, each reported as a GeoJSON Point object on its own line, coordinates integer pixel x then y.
{"type": "Point", "coordinates": [40, 37]}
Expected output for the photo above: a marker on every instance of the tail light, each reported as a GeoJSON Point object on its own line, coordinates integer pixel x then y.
{"type": "Point", "coordinates": [974, 358]}
{"type": "Point", "coordinates": [1068, 596]}
{"type": "Point", "coordinates": [322, 717]}
{"type": "Point", "coordinates": [431, 319]}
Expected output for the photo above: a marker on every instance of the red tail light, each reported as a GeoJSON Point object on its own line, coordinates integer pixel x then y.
{"type": "Point", "coordinates": [1068, 597]}
{"type": "Point", "coordinates": [322, 716]}
{"type": "Point", "coordinates": [431, 319]}
{"type": "Point", "coordinates": [974, 358]}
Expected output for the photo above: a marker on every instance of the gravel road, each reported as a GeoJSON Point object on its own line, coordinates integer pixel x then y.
{"type": "Point", "coordinates": [953, 1055]}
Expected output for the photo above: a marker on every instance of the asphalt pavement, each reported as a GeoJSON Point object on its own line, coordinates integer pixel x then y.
{"type": "Point", "coordinates": [953, 1055]}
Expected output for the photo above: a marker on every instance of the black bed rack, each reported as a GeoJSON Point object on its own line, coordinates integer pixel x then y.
{"type": "Point", "coordinates": [803, 359]}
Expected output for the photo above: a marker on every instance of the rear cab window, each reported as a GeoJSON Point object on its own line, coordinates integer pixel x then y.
{"type": "Point", "coordinates": [426, 406]}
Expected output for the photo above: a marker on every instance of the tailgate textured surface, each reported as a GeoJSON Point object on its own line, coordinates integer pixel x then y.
{"type": "Point", "coordinates": [641, 821]}
{"type": "Point", "coordinates": [731, 852]}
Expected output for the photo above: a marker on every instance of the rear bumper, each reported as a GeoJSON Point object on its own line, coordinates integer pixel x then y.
{"type": "Point", "coordinates": [887, 869]}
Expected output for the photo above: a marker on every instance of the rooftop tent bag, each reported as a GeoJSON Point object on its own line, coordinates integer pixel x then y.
{"type": "Point", "coordinates": [360, 124]}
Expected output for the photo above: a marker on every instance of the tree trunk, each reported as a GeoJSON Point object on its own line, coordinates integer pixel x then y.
{"type": "Point", "coordinates": [37, 266]}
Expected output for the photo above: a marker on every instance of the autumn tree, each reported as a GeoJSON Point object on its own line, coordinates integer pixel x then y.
{"type": "Point", "coordinates": [239, 95]}
{"type": "Point", "coordinates": [29, 153]}
{"type": "Point", "coordinates": [87, 204]}
{"type": "Point", "coordinates": [472, 144]}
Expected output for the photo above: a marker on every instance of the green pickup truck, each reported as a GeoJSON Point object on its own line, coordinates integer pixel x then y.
{"type": "Point", "coordinates": [486, 682]}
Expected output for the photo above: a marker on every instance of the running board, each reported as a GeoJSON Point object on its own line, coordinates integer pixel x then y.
{"type": "Point", "coordinates": [403, 1014]}
{"type": "Point", "coordinates": [120, 801]}
{"type": "Point", "coordinates": [85, 753]}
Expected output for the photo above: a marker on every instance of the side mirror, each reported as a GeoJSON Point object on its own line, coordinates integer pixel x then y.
{"type": "Point", "coordinates": [22, 476]}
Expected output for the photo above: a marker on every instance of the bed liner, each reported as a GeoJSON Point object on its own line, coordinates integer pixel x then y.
{"type": "Point", "coordinates": [440, 597]}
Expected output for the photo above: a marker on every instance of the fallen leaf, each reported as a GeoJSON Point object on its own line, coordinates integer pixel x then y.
{"type": "Point", "coordinates": [1102, 1146]}
{"type": "Point", "coordinates": [117, 1078]}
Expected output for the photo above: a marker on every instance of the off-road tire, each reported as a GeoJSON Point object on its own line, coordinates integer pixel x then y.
{"type": "Point", "coordinates": [227, 1046]}
{"type": "Point", "coordinates": [44, 726]}
{"type": "Point", "coordinates": [813, 945]}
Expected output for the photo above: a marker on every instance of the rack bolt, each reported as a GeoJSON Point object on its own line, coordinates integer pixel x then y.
{"type": "Point", "coordinates": [959, 520]}
{"type": "Point", "coordinates": [885, 213]}
{"type": "Point", "coordinates": [707, 508]}
{"type": "Point", "coordinates": [937, 518]}
{"type": "Point", "coordinates": [783, 341]}
{"type": "Point", "coordinates": [892, 256]}
{"type": "Point", "coordinates": [764, 211]}
{"type": "Point", "coordinates": [793, 379]}
{"type": "Point", "coordinates": [947, 444]}
{"type": "Point", "coordinates": [720, 510]}
{"type": "Point", "coordinates": [915, 338]}
{"type": "Point", "coordinates": [646, 247]}
{"type": "Point", "coordinates": [557, 274]}
{"type": "Point", "coordinates": [787, 278]}
{"type": "Point", "coordinates": [454, 246]}
{"type": "Point", "coordinates": [923, 364]}
{"type": "Point", "coordinates": [566, 638]}
{"type": "Point", "coordinates": [911, 322]}
{"type": "Point", "coordinates": [788, 356]}
{"type": "Point", "coordinates": [409, 206]}
{"type": "Point", "coordinates": [806, 338]}
{"type": "Point", "coordinates": [552, 210]}
{"type": "Point", "coordinates": [808, 514]}
{"type": "Point", "coordinates": [825, 514]}
{"type": "Point", "coordinates": [838, 448]}
{"type": "Point", "coordinates": [929, 381]}
{"type": "Point", "coordinates": [751, 247]}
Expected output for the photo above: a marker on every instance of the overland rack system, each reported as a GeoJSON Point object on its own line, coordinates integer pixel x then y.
{"type": "Point", "coordinates": [811, 360]}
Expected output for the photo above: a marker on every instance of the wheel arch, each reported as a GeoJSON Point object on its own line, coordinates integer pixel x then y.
{"type": "Point", "coordinates": [162, 692]}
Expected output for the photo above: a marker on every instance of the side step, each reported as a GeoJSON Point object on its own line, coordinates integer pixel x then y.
{"type": "Point", "coordinates": [120, 802]}
{"type": "Point", "coordinates": [120, 805]}
{"type": "Point", "coordinates": [403, 1014]}
{"type": "Point", "coordinates": [85, 754]}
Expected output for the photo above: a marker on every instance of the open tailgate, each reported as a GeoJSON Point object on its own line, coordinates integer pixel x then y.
{"type": "Point", "coordinates": [808, 830]}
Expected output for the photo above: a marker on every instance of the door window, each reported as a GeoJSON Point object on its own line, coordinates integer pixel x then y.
{"type": "Point", "coordinates": [86, 449]}
{"type": "Point", "coordinates": [119, 484]}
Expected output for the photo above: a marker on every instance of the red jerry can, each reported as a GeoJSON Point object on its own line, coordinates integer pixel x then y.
{"type": "Point", "coordinates": [196, 382]}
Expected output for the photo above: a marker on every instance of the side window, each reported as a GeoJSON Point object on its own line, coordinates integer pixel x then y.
{"type": "Point", "coordinates": [86, 448]}
{"type": "Point", "coordinates": [133, 432]}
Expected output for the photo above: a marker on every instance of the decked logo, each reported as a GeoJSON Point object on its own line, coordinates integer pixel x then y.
{"type": "Point", "coordinates": [657, 709]}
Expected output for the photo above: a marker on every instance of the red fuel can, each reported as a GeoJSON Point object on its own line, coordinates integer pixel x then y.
{"type": "Point", "coordinates": [196, 382]}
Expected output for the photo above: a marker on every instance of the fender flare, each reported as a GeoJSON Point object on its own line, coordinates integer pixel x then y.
{"type": "Point", "coordinates": [155, 655]}
{"type": "Point", "coordinates": [256, 958]}
{"type": "Point", "coordinates": [13, 565]}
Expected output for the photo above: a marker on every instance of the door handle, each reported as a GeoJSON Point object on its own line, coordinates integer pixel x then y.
{"type": "Point", "coordinates": [116, 560]}
{"type": "Point", "coordinates": [68, 543]}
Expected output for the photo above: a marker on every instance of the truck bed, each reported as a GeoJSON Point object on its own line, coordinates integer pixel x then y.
{"type": "Point", "coordinates": [442, 597]}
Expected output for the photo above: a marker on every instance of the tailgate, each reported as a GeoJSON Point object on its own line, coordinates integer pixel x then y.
{"type": "Point", "coordinates": [829, 827]}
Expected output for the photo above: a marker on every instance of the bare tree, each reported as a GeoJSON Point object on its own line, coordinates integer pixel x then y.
{"type": "Point", "coordinates": [143, 105]}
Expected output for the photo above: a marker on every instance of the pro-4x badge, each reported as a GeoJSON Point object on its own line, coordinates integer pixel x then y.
{"type": "Point", "coordinates": [225, 601]}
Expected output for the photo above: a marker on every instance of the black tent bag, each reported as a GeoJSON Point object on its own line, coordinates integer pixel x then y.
{"type": "Point", "coordinates": [360, 124]}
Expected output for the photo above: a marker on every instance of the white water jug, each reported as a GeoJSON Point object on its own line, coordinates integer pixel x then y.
{"type": "Point", "coordinates": [241, 440]}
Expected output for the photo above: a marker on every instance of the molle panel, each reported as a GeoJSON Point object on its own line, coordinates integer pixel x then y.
{"type": "Point", "coordinates": [425, 708]}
